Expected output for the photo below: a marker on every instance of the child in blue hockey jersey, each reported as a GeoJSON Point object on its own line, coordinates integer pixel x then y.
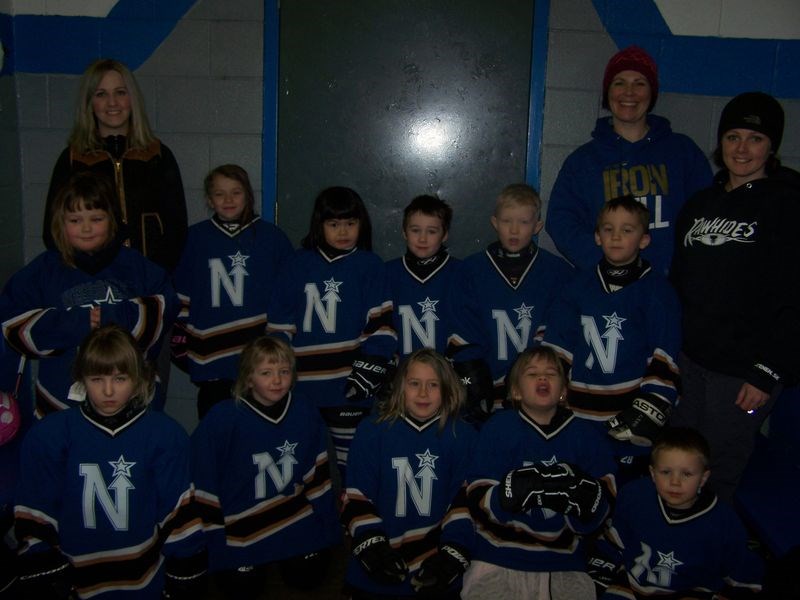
{"type": "Point", "coordinates": [677, 539]}
{"type": "Point", "coordinates": [405, 503]}
{"type": "Point", "coordinates": [107, 494]}
{"type": "Point", "coordinates": [263, 481]}
{"type": "Point", "coordinates": [538, 483]}
{"type": "Point", "coordinates": [91, 279]}
{"type": "Point", "coordinates": [500, 299]}
{"type": "Point", "coordinates": [229, 265]}
{"type": "Point", "coordinates": [334, 305]}
{"type": "Point", "coordinates": [420, 280]}
{"type": "Point", "coordinates": [617, 330]}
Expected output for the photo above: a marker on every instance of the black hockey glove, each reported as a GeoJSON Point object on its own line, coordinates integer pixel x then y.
{"type": "Point", "coordinates": [641, 423]}
{"type": "Point", "coordinates": [440, 570]}
{"type": "Point", "coordinates": [179, 347]}
{"type": "Point", "coordinates": [585, 495]}
{"type": "Point", "coordinates": [603, 563]}
{"type": "Point", "coordinates": [537, 486]}
{"type": "Point", "coordinates": [45, 575]}
{"type": "Point", "coordinates": [477, 380]}
{"type": "Point", "coordinates": [185, 578]}
{"type": "Point", "coordinates": [368, 375]}
{"type": "Point", "coordinates": [381, 562]}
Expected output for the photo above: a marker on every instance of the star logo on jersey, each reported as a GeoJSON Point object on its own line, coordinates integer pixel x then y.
{"type": "Point", "coordinates": [109, 299]}
{"type": "Point", "coordinates": [523, 312]}
{"type": "Point", "coordinates": [613, 321]}
{"type": "Point", "coordinates": [287, 448]}
{"type": "Point", "coordinates": [427, 459]}
{"type": "Point", "coordinates": [550, 462]}
{"type": "Point", "coordinates": [238, 260]}
{"type": "Point", "coordinates": [668, 561]}
{"type": "Point", "coordinates": [428, 305]}
{"type": "Point", "coordinates": [121, 467]}
{"type": "Point", "coordinates": [332, 286]}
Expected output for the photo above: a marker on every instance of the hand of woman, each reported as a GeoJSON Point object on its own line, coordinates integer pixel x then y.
{"type": "Point", "coordinates": [751, 398]}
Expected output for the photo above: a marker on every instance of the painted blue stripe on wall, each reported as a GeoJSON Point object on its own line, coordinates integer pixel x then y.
{"type": "Point", "coordinates": [541, 20]}
{"type": "Point", "coordinates": [269, 139]}
{"type": "Point", "coordinates": [712, 66]}
{"type": "Point", "coordinates": [57, 44]}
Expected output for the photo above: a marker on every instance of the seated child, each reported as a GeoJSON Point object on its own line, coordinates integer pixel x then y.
{"type": "Point", "coordinates": [223, 279]}
{"type": "Point", "coordinates": [261, 470]}
{"type": "Point", "coordinates": [501, 298]}
{"type": "Point", "coordinates": [535, 488]}
{"type": "Point", "coordinates": [419, 281]}
{"type": "Point", "coordinates": [405, 505]}
{"type": "Point", "coordinates": [617, 329]}
{"type": "Point", "coordinates": [678, 539]}
{"type": "Point", "coordinates": [107, 493]}
{"type": "Point", "coordinates": [90, 279]}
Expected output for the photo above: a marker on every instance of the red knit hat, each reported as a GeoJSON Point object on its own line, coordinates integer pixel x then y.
{"type": "Point", "coordinates": [632, 58]}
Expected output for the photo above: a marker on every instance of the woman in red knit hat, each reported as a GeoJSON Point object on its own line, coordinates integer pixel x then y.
{"type": "Point", "coordinates": [632, 152]}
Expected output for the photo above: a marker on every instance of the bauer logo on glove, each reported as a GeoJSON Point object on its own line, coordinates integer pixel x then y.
{"type": "Point", "coordinates": [365, 380]}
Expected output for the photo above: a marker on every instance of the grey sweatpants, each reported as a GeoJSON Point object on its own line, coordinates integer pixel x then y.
{"type": "Point", "coordinates": [708, 405]}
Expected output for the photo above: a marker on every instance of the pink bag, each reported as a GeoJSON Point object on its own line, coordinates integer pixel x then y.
{"type": "Point", "coordinates": [10, 419]}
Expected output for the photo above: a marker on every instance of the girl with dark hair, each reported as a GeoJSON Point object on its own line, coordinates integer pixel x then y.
{"type": "Point", "coordinates": [223, 280]}
{"type": "Point", "coordinates": [91, 279]}
{"type": "Point", "coordinates": [333, 304]}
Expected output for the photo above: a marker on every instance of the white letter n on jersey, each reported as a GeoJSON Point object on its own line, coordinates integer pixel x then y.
{"type": "Point", "coordinates": [508, 332]}
{"type": "Point", "coordinates": [326, 312]}
{"type": "Point", "coordinates": [426, 334]}
{"type": "Point", "coordinates": [606, 353]}
{"type": "Point", "coordinates": [220, 278]}
{"type": "Point", "coordinates": [406, 480]}
{"type": "Point", "coordinates": [94, 488]}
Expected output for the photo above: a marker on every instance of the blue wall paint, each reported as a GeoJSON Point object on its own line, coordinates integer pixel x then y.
{"type": "Point", "coordinates": [130, 33]}
{"type": "Point", "coordinates": [710, 66]}
{"type": "Point", "coordinates": [541, 21]}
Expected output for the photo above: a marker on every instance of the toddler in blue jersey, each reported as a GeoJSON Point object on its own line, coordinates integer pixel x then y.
{"type": "Point", "coordinates": [419, 281]}
{"type": "Point", "coordinates": [105, 508]}
{"type": "Point", "coordinates": [334, 305]}
{"type": "Point", "coordinates": [405, 504]}
{"type": "Point", "coordinates": [540, 480]}
{"type": "Point", "coordinates": [228, 267]}
{"type": "Point", "coordinates": [263, 481]}
{"type": "Point", "coordinates": [617, 330]}
{"type": "Point", "coordinates": [501, 298]}
{"type": "Point", "coordinates": [89, 279]}
{"type": "Point", "coordinates": [677, 538]}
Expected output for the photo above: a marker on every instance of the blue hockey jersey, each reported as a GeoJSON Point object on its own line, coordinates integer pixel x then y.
{"type": "Point", "coordinates": [540, 539]}
{"type": "Point", "coordinates": [495, 320]}
{"type": "Point", "coordinates": [618, 344]}
{"type": "Point", "coordinates": [332, 310]}
{"type": "Point", "coordinates": [223, 281]}
{"type": "Point", "coordinates": [407, 481]}
{"type": "Point", "coordinates": [45, 306]}
{"type": "Point", "coordinates": [662, 171]}
{"type": "Point", "coordinates": [115, 502]}
{"type": "Point", "coordinates": [703, 550]}
{"type": "Point", "coordinates": [421, 307]}
{"type": "Point", "coordinates": [263, 484]}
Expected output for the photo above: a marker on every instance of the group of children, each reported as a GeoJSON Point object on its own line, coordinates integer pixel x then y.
{"type": "Point", "coordinates": [481, 412]}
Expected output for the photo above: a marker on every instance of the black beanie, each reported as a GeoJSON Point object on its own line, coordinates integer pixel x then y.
{"type": "Point", "coordinates": [753, 110]}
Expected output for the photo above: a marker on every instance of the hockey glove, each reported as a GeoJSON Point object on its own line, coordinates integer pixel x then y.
{"type": "Point", "coordinates": [440, 570]}
{"type": "Point", "coordinates": [585, 496]}
{"type": "Point", "coordinates": [45, 575]}
{"type": "Point", "coordinates": [368, 375]}
{"type": "Point", "coordinates": [641, 423]}
{"type": "Point", "coordinates": [538, 486]}
{"type": "Point", "coordinates": [477, 380]}
{"type": "Point", "coordinates": [381, 562]}
{"type": "Point", "coordinates": [185, 578]}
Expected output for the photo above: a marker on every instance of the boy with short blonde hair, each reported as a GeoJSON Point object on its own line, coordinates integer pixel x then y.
{"type": "Point", "coordinates": [677, 538]}
{"type": "Point", "coordinates": [501, 298]}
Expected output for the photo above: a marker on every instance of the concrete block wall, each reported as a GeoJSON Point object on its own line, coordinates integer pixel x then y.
{"type": "Point", "coordinates": [11, 217]}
